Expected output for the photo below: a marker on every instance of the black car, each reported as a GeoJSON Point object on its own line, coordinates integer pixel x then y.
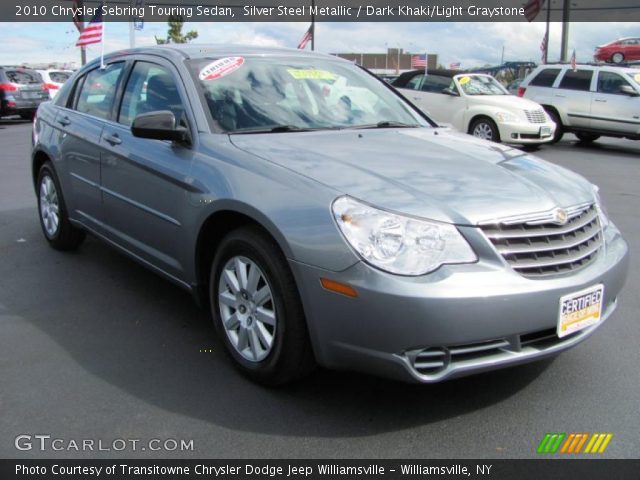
{"type": "Point", "coordinates": [21, 91]}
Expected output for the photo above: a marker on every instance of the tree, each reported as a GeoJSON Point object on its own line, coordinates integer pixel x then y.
{"type": "Point", "coordinates": [174, 35]}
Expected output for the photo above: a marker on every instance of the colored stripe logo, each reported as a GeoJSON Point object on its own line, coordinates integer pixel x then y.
{"type": "Point", "coordinates": [574, 443]}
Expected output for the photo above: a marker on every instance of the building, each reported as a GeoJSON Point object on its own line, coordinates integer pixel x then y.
{"type": "Point", "coordinates": [394, 61]}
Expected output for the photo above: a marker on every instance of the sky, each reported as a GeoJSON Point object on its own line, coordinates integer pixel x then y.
{"type": "Point", "coordinates": [472, 44]}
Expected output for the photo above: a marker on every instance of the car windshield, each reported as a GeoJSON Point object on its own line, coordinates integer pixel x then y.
{"type": "Point", "coordinates": [480, 85]}
{"type": "Point", "coordinates": [249, 94]}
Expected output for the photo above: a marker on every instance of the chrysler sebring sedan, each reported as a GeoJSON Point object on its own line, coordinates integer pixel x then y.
{"type": "Point", "coordinates": [321, 218]}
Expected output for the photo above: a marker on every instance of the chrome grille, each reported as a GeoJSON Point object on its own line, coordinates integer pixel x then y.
{"type": "Point", "coordinates": [536, 116]}
{"type": "Point", "coordinates": [538, 247]}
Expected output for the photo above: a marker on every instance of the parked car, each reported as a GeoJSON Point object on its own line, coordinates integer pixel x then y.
{"type": "Point", "coordinates": [512, 88]}
{"type": "Point", "coordinates": [54, 79]}
{"type": "Point", "coordinates": [354, 236]}
{"type": "Point", "coordinates": [618, 51]}
{"type": "Point", "coordinates": [590, 102]}
{"type": "Point", "coordinates": [21, 91]}
{"type": "Point", "coordinates": [477, 104]}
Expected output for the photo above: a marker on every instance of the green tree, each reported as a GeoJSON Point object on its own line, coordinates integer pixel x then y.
{"type": "Point", "coordinates": [175, 35]}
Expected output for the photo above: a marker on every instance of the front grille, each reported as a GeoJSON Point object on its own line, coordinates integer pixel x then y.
{"type": "Point", "coordinates": [536, 116]}
{"type": "Point", "coordinates": [431, 361]}
{"type": "Point", "coordinates": [539, 248]}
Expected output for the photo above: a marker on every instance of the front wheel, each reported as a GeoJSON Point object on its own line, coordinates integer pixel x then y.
{"type": "Point", "coordinates": [57, 228]}
{"type": "Point", "coordinates": [257, 309]}
{"type": "Point", "coordinates": [486, 129]}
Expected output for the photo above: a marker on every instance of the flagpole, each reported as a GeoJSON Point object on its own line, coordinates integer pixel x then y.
{"type": "Point", "coordinates": [546, 34]}
{"type": "Point", "coordinates": [104, 31]}
{"type": "Point", "coordinates": [313, 26]}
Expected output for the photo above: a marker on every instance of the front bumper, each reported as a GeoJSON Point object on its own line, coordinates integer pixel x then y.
{"type": "Point", "coordinates": [479, 317]}
{"type": "Point", "coordinates": [525, 133]}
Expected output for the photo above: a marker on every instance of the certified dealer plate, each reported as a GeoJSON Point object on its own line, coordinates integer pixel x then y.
{"type": "Point", "coordinates": [545, 131]}
{"type": "Point", "coordinates": [580, 310]}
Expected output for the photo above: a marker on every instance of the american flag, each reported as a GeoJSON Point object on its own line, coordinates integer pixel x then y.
{"type": "Point", "coordinates": [454, 66]}
{"type": "Point", "coordinates": [574, 66]}
{"type": "Point", "coordinates": [543, 48]}
{"type": "Point", "coordinates": [92, 33]}
{"type": "Point", "coordinates": [532, 9]}
{"type": "Point", "coordinates": [418, 61]}
{"type": "Point", "coordinates": [306, 38]}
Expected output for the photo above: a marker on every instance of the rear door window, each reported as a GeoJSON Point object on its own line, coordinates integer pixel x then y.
{"type": "Point", "coordinates": [578, 80]}
{"type": "Point", "coordinates": [545, 78]}
{"type": "Point", "coordinates": [99, 90]}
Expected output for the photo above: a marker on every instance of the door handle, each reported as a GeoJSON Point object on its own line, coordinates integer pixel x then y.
{"type": "Point", "coordinates": [600, 100]}
{"type": "Point", "coordinates": [64, 121]}
{"type": "Point", "coordinates": [113, 139]}
{"type": "Point", "coordinates": [560, 96]}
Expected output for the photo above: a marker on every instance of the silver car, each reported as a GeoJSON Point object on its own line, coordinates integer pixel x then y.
{"type": "Point", "coordinates": [321, 218]}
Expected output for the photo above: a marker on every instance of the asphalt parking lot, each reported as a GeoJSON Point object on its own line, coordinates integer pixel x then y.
{"type": "Point", "coordinates": [93, 346]}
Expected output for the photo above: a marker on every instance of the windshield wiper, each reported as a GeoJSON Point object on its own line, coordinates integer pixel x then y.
{"type": "Point", "coordinates": [386, 124]}
{"type": "Point", "coordinates": [276, 129]}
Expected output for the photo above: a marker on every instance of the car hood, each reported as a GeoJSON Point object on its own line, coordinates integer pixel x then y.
{"type": "Point", "coordinates": [427, 172]}
{"type": "Point", "coordinates": [510, 102]}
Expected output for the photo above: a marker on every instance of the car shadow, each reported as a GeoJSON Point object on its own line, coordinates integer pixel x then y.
{"type": "Point", "coordinates": [141, 334]}
{"type": "Point", "coordinates": [6, 121]}
{"type": "Point", "coordinates": [632, 148]}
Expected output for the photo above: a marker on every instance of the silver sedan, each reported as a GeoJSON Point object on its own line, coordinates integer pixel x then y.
{"type": "Point", "coordinates": [321, 218]}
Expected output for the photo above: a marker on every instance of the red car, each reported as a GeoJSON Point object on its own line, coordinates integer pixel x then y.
{"type": "Point", "coordinates": [625, 49]}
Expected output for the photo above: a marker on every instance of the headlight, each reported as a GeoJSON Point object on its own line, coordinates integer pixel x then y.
{"type": "Point", "coordinates": [399, 244]}
{"type": "Point", "coordinates": [506, 117]}
{"type": "Point", "coordinates": [602, 211]}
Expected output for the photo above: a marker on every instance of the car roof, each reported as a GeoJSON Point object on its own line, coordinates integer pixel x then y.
{"type": "Point", "coordinates": [188, 51]}
{"type": "Point", "coordinates": [633, 68]}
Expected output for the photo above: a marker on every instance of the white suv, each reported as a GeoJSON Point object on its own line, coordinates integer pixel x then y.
{"type": "Point", "coordinates": [590, 102]}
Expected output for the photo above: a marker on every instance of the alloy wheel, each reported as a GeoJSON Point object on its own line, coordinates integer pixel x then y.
{"type": "Point", "coordinates": [247, 308]}
{"type": "Point", "coordinates": [483, 130]}
{"type": "Point", "coordinates": [49, 206]}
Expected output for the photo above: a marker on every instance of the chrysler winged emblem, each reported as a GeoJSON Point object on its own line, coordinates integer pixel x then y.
{"type": "Point", "coordinates": [560, 216]}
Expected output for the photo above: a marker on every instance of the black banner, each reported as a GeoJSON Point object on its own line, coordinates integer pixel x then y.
{"type": "Point", "coordinates": [322, 10]}
{"type": "Point", "coordinates": [583, 469]}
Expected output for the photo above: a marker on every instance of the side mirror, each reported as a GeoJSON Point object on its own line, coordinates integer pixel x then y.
{"type": "Point", "coordinates": [629, 90]}
{"type": "Point", "coordinates": [448, 91]}
{"type": "Point", "coordinates": [160, 125]}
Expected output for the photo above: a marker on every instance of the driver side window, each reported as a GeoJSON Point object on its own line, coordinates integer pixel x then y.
{"type": "Point", "coordinates": [150, 88]}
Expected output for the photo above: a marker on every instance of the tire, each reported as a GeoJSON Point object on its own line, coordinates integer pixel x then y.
{"type": "Point", "coordinates": [52, 211]}
{"type": "Point", "coordinates": [617, 57]}
{"type": "Point", "coordinates": [267, 353]}
{"type": "Point", "coordinates": [485, 128]}
{"type": "Point", "coordinates": [585, 137]}
{"type": "Point", "coordinates": [559, 133]}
